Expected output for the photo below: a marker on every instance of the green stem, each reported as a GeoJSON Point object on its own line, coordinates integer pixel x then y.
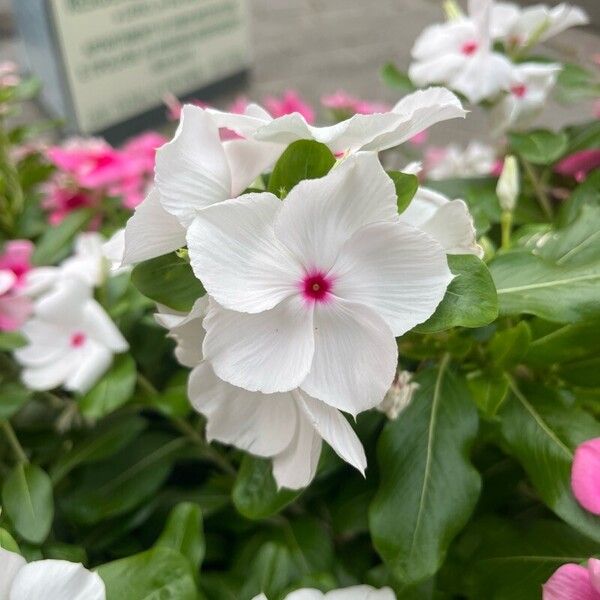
{"type": "Point", "coordinates": [13, 200]}
{"type": "Point", "coordinates": [540, 192]}
{"type": "Point", "coordinates": [12, 439]}
{"type": "Point", "coordinates": [506, 220]}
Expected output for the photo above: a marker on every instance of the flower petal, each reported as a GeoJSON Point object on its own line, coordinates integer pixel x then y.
{"type": "Point", "coordinates": [64, 304]}
{"type": "Point", "coordinates": [192, 171]}
{"type": "Point", "coordinates": [361, 592]}
{"type": "Point", "coordinates": [570, 582]}
{"type": "Point", "coordinates": [268, 352]}
{"type": "Point", "coordinates": [234, 252]}
{"type": "Point", "coordinates": [57, 580]}
{"type": "Point", "coordinates": [47, 343]}
{"type": "Point", "coordinates": [335, 430]}
{"type": "Point", "coordinates": [93, 360]}
{"type": "Point", "coordinates": [594, 571]}
{"type": "Point", "coordinates": [306, 594]}
{"type": "Point", "coordinates": [319, 215]}
{"type": "Point", "coordinates": [50, 375]}
{"type": "Point", "coordinates": [10, 564]}
{"type": "Point", "coordinates": [98, 325]}
{"type": "Point", "coordinates": [355, 356]}
{"type": "Point", "coordinates": [397, 270]}
{"type": "Point", "coordinates": [585, 475]}
{"type": "Point", "coordinates": [262, 424]}
{"type": "Point", "coordinates": [151, 231]}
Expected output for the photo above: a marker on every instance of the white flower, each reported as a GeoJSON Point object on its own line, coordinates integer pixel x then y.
{"type": "Point", "coordinates": [287, 427]}
{"type": "Point", "coordinates": [508, 185]}
{"type": "Point", "coordinates": [459, 54]}
{"type": "Point", "coordinates": [357, 592]}
{"type": "Point", "coordinates": [399, 395]}
{"type": "Point", "coordinates": [71, 339]}
{"type": "Point", "coordinates": [475, 160]}
{"type": "Point", "coordinates": [447, 221]}
{"type": "Point", "coordinates": [530, 85]}
{"type": "Point", "coordinates": [47, 579]}
{"type": "Point", "coordinates": [378, 131]}
{"type": "Point", "coordinates": [312, 291]}
{"type": "Point", "coordinates": [519, 27]}
{"type": "Point", "coordinates": [193, 171]}
{"type": "Point", "coordinates": [113, 251]}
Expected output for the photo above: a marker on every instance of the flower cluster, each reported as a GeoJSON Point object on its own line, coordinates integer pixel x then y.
{"type": "Point", "coordinates": [304, 297]}
{"type": "Point", "coordinates": [15, 305]}
{"type": "Point", "coordinates": [464, 54]}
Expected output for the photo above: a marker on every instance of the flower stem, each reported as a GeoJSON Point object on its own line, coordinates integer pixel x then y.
{"type": "Point", "coordinates": [12, 439]}
{"type": "Point", "coordinates": [506, 220]}
{"type": "Point", "coordinates": [540, 192]}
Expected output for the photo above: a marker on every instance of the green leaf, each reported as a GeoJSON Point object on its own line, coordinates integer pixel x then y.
{"type": "Point", "coordinates": [184, 533]}
{"type": "Point", "coordinates": [56, 241]}
{"type": "Point", "coordinates": [470, 300]}
{"type": "Point", "coordinates": [428, 487]}
{"type": "Point", "coordinates": [513, 560]}
{"type": "Point", "coordinates": [255, 492]}
{"type": "Point", "coordinates": [168, 280]}
{"type": "Point", "coordinates": [540, 147]}
{"type": "Point", "coordinates": [304, 159]}
{"type": "Point", "coordinates": [105, 441]}
{"type": "Point", "coordinates": [392, 76]}
{"type": "Point", "coordinates": [112, 391]}
{"type": "Point", "coordinates": [158, 574]}
{"type": "Point", "coordinates": [575, 84]}
{"type": "Point", "coordinates": [558, 280]}
{"type": "Point", "coordinates": [489, 392]}
{"type": "Point", "coordinates": [509, 346]}
{"type": "Point", "coordinates": [11, 340]}
{"type": "Point", "coordinates": [7, 542]}
{"type": "Point", "coordinates": [28, 501]}
{"type": "Point", "coordinates": [123, 482]}
{"type": "Point", "coordinates": [585, 194]}
{"type": "Point", "coordinates": [12, 397]}
{"type": "Point", "coordinates": [406, 188]}
{"type": "Point", "coordinates": [541, 433]}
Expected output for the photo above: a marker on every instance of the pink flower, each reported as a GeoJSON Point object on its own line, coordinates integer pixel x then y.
{"type": "Point", "coordinates": [349, 105]}
{"type": "Point", "coordinates": [239, 105]}
{"type": "Point", "coordinates": [15, 262]}
{"type": "Point", "coordinates": [574, 582]}
{"type": "Point", "coordinates": [174, 106]}
{"type": "Point", "coordinates": [579, 164]}
{"type": "Point", "coordinates": [62, 196]}
{"type": "Point", "coordinates": [290, 103]}
{"type": "Point", "coordinates": [9, 74]}
{"type": "Point", "coordinates": [585, 475]}
{"type": "Point", "coordinates": [419, 139]}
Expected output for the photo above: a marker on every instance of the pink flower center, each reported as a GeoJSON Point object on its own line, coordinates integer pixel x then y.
{"type": "Point", "coordinates": [316, 287]}
{"type": "Point", "coordinates": [519, 90]}
{"type": "Point", "coordinates": [469, 48]}
{"type": "Point", "coordinates": [78, 339]}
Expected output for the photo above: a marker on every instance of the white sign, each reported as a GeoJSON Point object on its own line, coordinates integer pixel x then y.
{"type": "Point", "coordinates": [120, 57]}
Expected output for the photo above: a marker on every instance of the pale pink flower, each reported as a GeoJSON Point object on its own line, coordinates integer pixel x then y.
{"type": "Point", "coordinates": [9, 74]}
{"type": "Point", "coordinates": [585, 475]}
{"type": "Point", "coordinates": [579, 164]}
{"type": "Point", "coordinates": [239, 105]}
{"type": "Point", "coordinates": [349, 105]}
{"type": "Point", "coordinates": [289, 103]}
{"type": "Point", "coordinates": [574, 582]}
{"type": "Point", "coordinates": [174, 106]}
{"type": "Point", "coordinates": [419, 139]}
{"type": "Point", "coordinates": [15, 263]}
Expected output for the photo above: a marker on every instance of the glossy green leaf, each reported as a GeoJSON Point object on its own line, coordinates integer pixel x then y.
{"type": "Point", "coordinates": [542, 433]}
{"type": "Point", "coordinates": [396, 79]}
{"type": "Point", "coordinates": [184, 533]}
{"type": "Point", "coordinates": [56, 241]}
{"type": "Point", "coordinates": [489, 392]}
{"type": "Point", "coordinates": [470, 299]}
{"type": "Point", "coordinates": [304, 159]}
{"type": "Point", "coordinates": [575, 84]}
{"type": "Point", "coordinates": [11, 340]}
{"type": "Point", "coordinates": [7, 542]}
{"type": "Point", "coordinates": [428, 487]}
{"type": "Point", "coordinates": [113, 390]}
{"type": "Point", "coordinates": [406, 187]}
{"type": "Point", "coordinates": [557, 281]}
{"type": "Point", "coordinates": [509, 346]}
{"type": "Point", "coordinates": [255, 492]}
{"type": "Point", "coordinates": [158, 574]}
{"type": "Point", "coordinates": [168, 280]}
{"type": "Point", "coordinates": [540, 147]}
{"type": "Point", "coordinates": [12, 397]}
{"type": "Point", "coordinates": [28, 501]}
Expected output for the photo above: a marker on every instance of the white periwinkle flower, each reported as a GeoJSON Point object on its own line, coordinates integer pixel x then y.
{"type": "Point", "coordinates": [459, 54]}
{"type": "Point", "coordinates": [508, 185]}
{"type": "Point", "coordinates": [378, 131]}
{"type": "Point", "coordinates": [475, 160]}
{"type": "Point", "coordinates": [399, 395]}
{"type": "Point", "coordinates": [518, 27]}
{"type": "Point", "coordinates": [312, 291]}
{"type": "Point", "coordinates": [71, 339]}
{"type": "Point", "coordinates": [287, 427]}
{"type": "Point", "coordinates": [194, 170]}
{"type": "Point", "coordinates": [357, 592]}
{"type": "Point", "coordinates": [530, 85]}
{"type": "Point", "coordinates": [47, 579]}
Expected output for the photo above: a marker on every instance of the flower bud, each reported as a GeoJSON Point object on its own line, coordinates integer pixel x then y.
{"type": "Point", "coordinates": [452, 10]}
{"type": "Point", "coordinates": [399, 395]}
{"type": "Point", "coordinates": [507, 188]}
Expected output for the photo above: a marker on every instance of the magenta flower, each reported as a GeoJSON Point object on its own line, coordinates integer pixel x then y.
{"type": "Point", "coordinates": [574, 582]}
{"type": "Point", "coordinates": [579, 164]}
{"type": "Point", "coordinates": [290, 102]}
{"type": "Point", "coordinates": [585, 475]}
{"type": "Point", "coordinates": [15, 306]}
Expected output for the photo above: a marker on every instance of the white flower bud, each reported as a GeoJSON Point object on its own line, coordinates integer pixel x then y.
{"type": "Point", "coordinates": [507, 188]}
{"type": "Point", "coordinates": [452, 10]}
{"type": "Point", "coordinates": [399, 395]}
